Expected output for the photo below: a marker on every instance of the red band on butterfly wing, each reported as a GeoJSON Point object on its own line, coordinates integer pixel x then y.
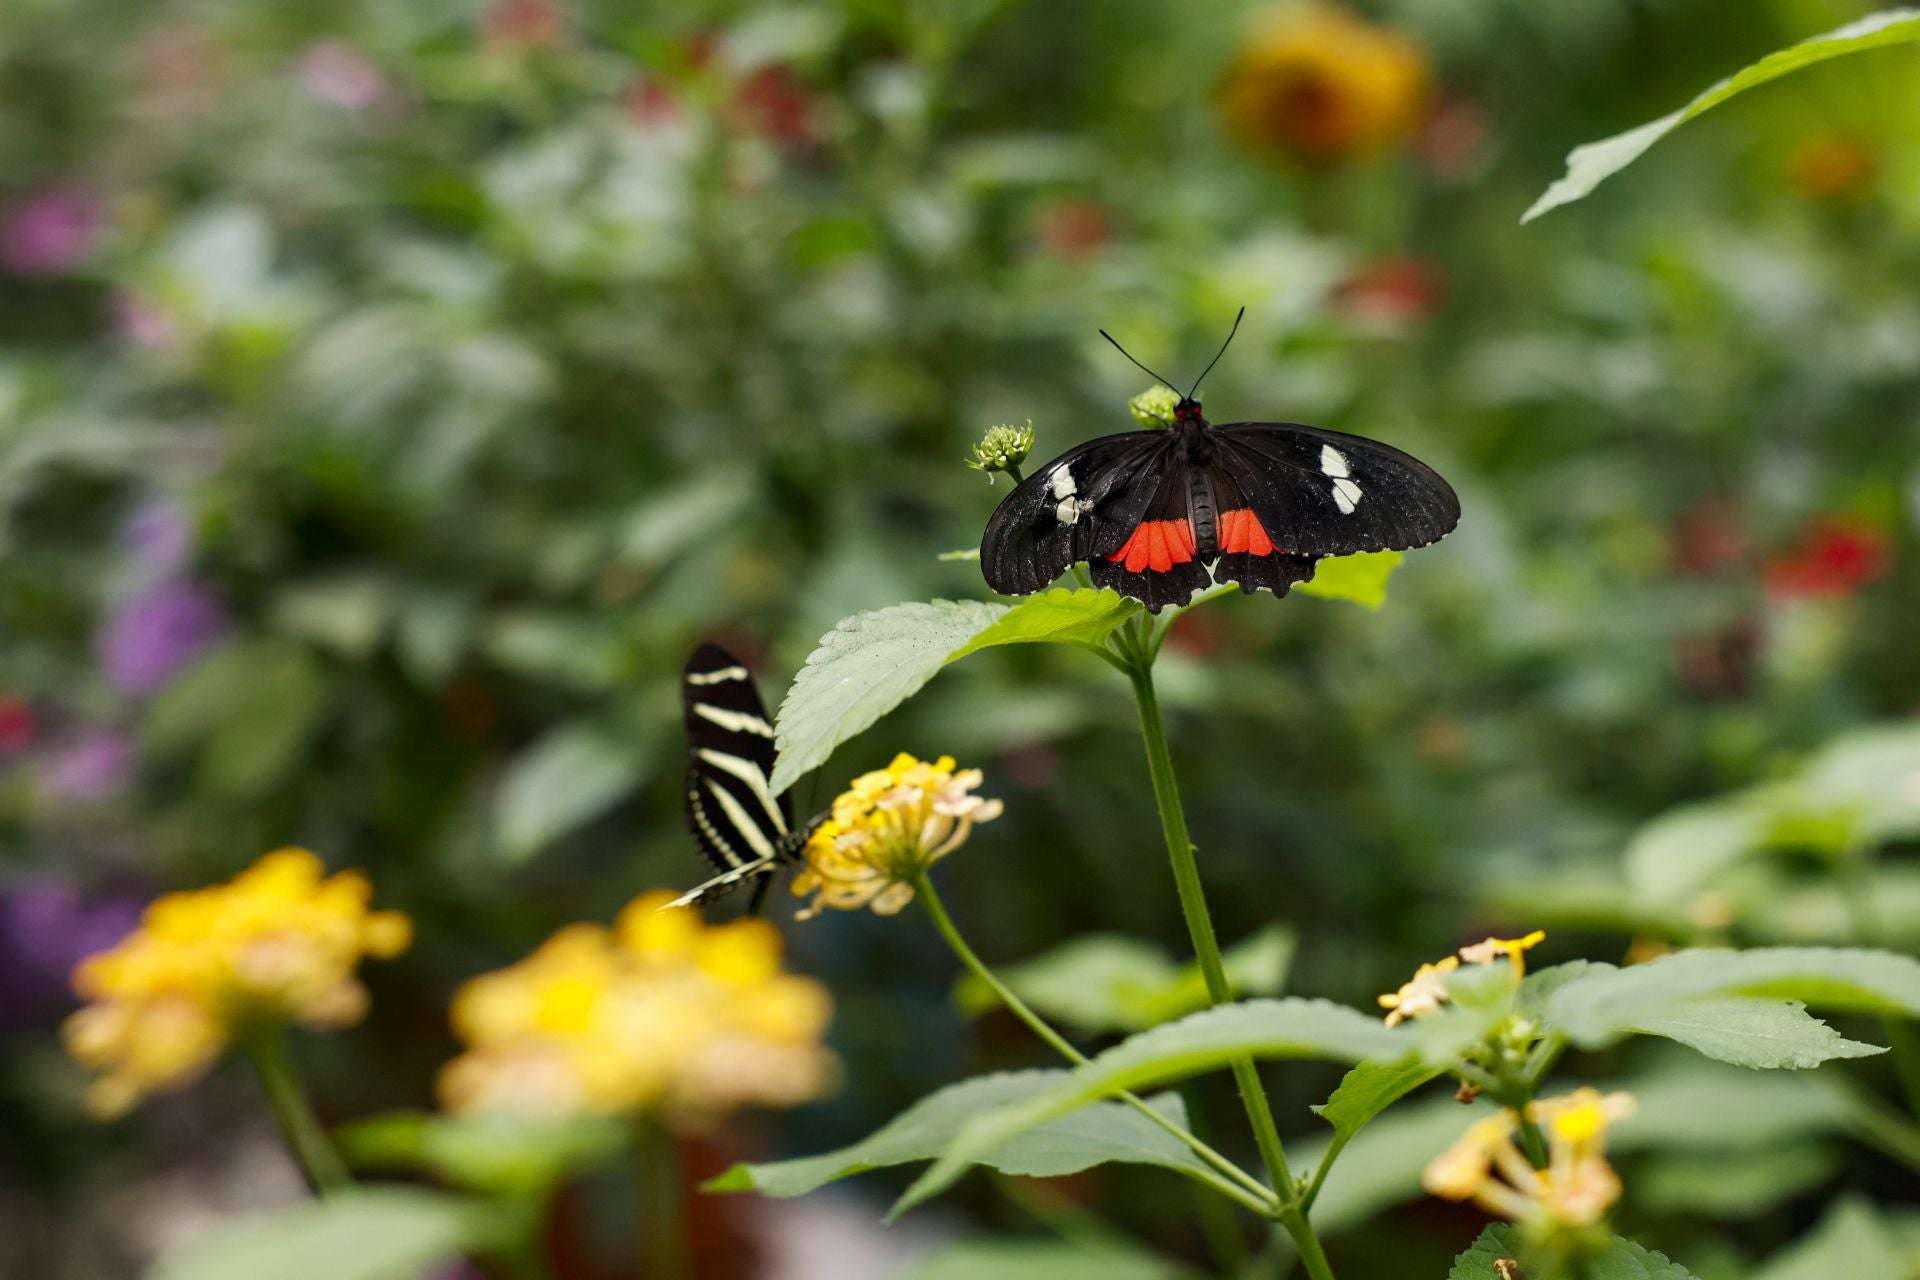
{"type": "Point", "coordinates": [1157, 545]}
{"type": "Point", "coordinates": [1241, 530]}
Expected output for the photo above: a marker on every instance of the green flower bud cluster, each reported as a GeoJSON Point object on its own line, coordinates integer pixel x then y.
{"type": "Point", "coordinates": [1154, 406]}
{"type": "Point", "coordinates": [1003, 448]}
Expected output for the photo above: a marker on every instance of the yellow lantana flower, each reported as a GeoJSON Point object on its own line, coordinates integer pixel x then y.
{"type": "Point", "coordinates": [280, 941]}
{"type": "Point", "coordinates": [1424, 993]}
{"type": "Point", "coordinates": [1576, 1188]}
{"type": "Point", "coordinates": [886, 829]}
{"type": "Point", "coordinates": [1315, 82]}
{"type": "Point", "coordinates": [1488, 950]}
{"type": "Point", "coordinates": [661, 1013]}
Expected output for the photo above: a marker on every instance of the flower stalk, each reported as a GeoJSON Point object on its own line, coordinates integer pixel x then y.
{"type": "Point", "coordinates": [1235, 1183]}
{"type": "Point", "coordinates": [1137, 652]}
{"type": "Point", "coordinates": [661, 1213]}
{"type": "Point", "coordinates": [320, 1162]}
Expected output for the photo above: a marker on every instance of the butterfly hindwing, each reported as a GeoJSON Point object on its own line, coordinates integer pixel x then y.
{"type": "Point", "coordinates": [1247, 553]}
{"type": "Point", "coordinates": [1154, 559]}
{"type": "Point", "coordinates": [1325, 493]}
{"type": "Point", "coordinates": [735, 818]}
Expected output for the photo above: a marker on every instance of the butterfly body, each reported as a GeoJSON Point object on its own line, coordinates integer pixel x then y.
{"type": "Point", "coordinates": [744, 831]}
{"type": "Point", "coordinates": [1157, 515]}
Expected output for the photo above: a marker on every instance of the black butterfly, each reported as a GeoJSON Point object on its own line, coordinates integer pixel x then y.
{"type": "Point", "coordinates": [1157, 515]}
{"type": "Point", "coordinates": [742, 828]}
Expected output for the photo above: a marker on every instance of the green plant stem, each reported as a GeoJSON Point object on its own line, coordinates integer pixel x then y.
{"type": "Point", "coordinates": [1206, 947]}
{"type": "Point", "coordinates": [1248, 1192]}
{"type": "Point", "coordinates": [661, 1214]}
{"type": "Point", "coordinates": [312, 1150]}
{"type": "Point", "coordinates": [1906, 1058]}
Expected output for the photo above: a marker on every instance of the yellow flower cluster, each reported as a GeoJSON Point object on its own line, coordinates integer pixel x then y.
{"type": "Point", "coordinates": [1576, 1188]}
{"type": "Point", "coordinates": [281, 941]}
{"type": "Point", "coordinates": [661, 1013]}
{"type": "Point", "coordinates": [1427, 990]}
{"type": "Point", "coordinates": [885, 830]}
{"type": "Point", "coordinates": [1314, 82]}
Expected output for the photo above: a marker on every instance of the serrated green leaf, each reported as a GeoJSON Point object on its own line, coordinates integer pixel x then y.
{"type": "Point", "coordinates": [567, 777]}
{"type": "Point", "coordinates": [1060, 616]}
{"type": "Point", "coordinates": [1623, 1260]}
{"type": "Point", "coordinates": [1599, 1008]}
{"type": "Point", "coordinates": [1751, 1032]}
{"type": "Point", "coordinates": [1042, 1260]}
{"type": "Point", "coordinates": [1253, 1029]}
{"type": "Point", "coordinates": [1107, 1133]}
{"type": "Point", "coordinates": [498, 1154]}
{"type": "Point", "coordinates": [1369, 1089]}
{"type": "Point", "coordinates": [1107, 982]}
{"type": "Point", "coordinates": [1851, 1240]}
{"type": "Point", "coordinates": [364, 1233]}
{"type": "Point", "coordinates": [872, 662]}
{"type": "Point", "coordinates": [1361, 578]}
{"type": "Point", "coordinates": [1590, 165]}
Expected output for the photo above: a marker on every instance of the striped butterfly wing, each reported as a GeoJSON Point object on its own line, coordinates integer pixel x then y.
{"type": "Point", "coordinates": [741, 828]}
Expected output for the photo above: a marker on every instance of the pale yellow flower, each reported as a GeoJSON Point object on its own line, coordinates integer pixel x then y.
{"type": "Point", "coordinates": [662, 1013]}
{"type": "Point", "coordinates": [281, 941]}
{"type": "Point", "coordinates": [1514, 949]}
{"type": "Point", "coordinates": [1423, 994]}
{"type": "Point", "coordinates": [1577, 1187]}
{"type": "Point", "coordinates": [886, 829]}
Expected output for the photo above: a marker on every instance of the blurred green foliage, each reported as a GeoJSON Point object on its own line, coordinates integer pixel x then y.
{"type": "Point", "coordinates": [391, 396]}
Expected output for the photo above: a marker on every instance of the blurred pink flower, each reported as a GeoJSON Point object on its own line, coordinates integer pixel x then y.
{"type": "Point", "coordinates": [139, 322]}
{"type": "Point", "coordinates": [49, 232]}
{"type": "Point", "coordinates": [19, 726]}
{"type": "Point", "coordinates": [159, 537]}
{"type": "Point", "coordinates": [156, 631]}
{"type": "Point", "coordinates": [339, 75]}
{"type": "Point", "coordinates": [94, 766]}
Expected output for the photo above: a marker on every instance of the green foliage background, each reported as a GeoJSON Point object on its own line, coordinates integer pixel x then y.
{"type": "Point", "coordinates": [485, 401]}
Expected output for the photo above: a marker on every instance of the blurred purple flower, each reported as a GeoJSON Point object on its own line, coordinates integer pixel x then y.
{"type": "Point", "coordinates": [159, 536]}
{"type": "Point", "coordinates": [47, 926]}
{"type": "Point", "coordinates": [49, 232]}
{"type": "Point", "coordinates": [339, 75]}
{"type": "Point", "coordinates": [94, 766]}
{"type": "Point", "coordinates": [156, 631]}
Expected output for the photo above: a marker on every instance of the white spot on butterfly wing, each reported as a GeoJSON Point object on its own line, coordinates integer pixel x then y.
{"type": "Point", "coordinates": [1346, 495]}
{"type": "Point", "coordinates": [1333, 462]}
{"type": "Point", "coordinates": [716, 677]}
{"type": "Point", "coordinates": [733, 721]}
{"type": "Point", "coordinates": [1063, 485]}
{"type": "Point", "coordinates": [1333, 465]}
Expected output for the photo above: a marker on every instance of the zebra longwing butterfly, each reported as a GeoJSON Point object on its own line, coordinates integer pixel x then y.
{"type": "Point", "coordinates": [1157, 515]}
{"type": "Point", "coordinates": [745, 831]}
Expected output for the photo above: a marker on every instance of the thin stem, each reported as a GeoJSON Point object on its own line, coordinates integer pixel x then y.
{"type": "Point", "coordinates": [661, 1214]}
{"type": "Point", "coordinates": [1249, 1192]}
{"type": "Point", "coordinates": [1906, 1058]}
{"type": "Point", "coordinates": [312, 1150]}
{"type": "Point", "coordinates": [1193, 903]}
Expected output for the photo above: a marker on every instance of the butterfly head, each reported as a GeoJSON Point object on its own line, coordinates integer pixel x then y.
{"type": "Point", "coordinates": [1187, 411]}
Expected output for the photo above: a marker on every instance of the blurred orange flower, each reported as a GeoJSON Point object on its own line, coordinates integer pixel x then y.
{"type": "Point", "coordinates": [1828, 166]}
{"type": "Point", "coordinates": [1314, 82]}
{"type": "Point", "coordinates": [281, 941]}
{"type": "Point", "coordinates": [1836, 556]}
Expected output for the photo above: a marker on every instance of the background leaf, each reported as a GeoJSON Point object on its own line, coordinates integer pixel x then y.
{"type": "Point", "coordinates": [1590, 165]}
{"type": "Point", "coordinates": [1751, 1032]}
{"type": "Point", "coordinates": [1623, 1260]}
{"type": "Point", "coordinates": [570, 776]}
{"type": "Point", "coordinates": [1851, 1240]}
{"type": "Point", "coordinates": [364, 1233]}
{"type": "Point", "coordinates": [1360, 578]}
{"type": "Point", "coordinates": [499, 1154]}
{"type": "Point", "coordinates": [1042, 1260]}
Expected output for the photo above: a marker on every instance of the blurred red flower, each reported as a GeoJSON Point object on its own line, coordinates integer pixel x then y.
{"type": "Point", "coordinates": [49, 232]}
{"type": "Point", "coordinates": [1073, 228]}
{"type": "Point", "coordinates": [773, 103]}
{"type": "Point", "coordinates": [524, 24]}
{"type": "Point", "coordinates": [1836, 555]}
{"type": "Point", "coordinates": [18, 724]}
{"type": "Point", "coordinates": [1708, 538]}
{"type": "Point", "coordinates": [1392, 291]}
{"type": "Point", "coordinates": [1828, 166]}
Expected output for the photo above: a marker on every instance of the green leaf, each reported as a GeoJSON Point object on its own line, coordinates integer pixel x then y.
{"type": "Point", "coordinates": [1623, 1260]}
{"type": "Point", "coordinates": [872, 662]}
{"type": "Point", "coordinates": [569, 776]}
{"type": "Point", "coordinates": [1369, 1089]}
{"type": "Point", "coordinates": [1361, 578]}
{"type": "Point", "coordinates": [1108, 982]}
{"type": "Point", "coordinates": [1673, 857]}
{"type": "Point", "coordinates": [1600, 1007]}
{"type": "Point", "coordinates": [498, 1154]}
{"type": "Point", "coordinates": [1380, 1167]}
{"type": "Point", "coordinates": [1589, 165]}
{"type": "Point", "coordinates": [1850, 1241]}
{"type": "Point", "coordinates": [1084, 617]}
{"type": "Point", "coordinates": [1871, 774]}
{"type": "Point", "coordinates": [1707, 1183]}
{"type": "Point", "coordinates": [1693, 1105]}
{"type": "Point", "coordinates": [1042, 1260]}
{"type": "Point", "coordinates": [364, 1233]}
{"type": "Point", "coordinates": [249, 708]}
{"type": "Point", "coordinates": [1109, 1132]}
{"type": "Point", "coordinates": [1750, 1032]}
{"type": "Point", "coordinates": [1253, 1029]}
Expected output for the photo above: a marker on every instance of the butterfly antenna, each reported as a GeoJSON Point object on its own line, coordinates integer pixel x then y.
{"type": "Point", "coordinates": [1150, 373]}
{"type": "Point", "coordinates": [1223, 350]}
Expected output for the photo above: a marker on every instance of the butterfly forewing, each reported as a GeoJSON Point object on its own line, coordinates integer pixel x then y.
{"type": "Point", "coordinates": [1086, 499]}
{"type": "Point", "coordinates": [1326, 493]}
{"type": "Point", "coordinates": [735, 818]}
